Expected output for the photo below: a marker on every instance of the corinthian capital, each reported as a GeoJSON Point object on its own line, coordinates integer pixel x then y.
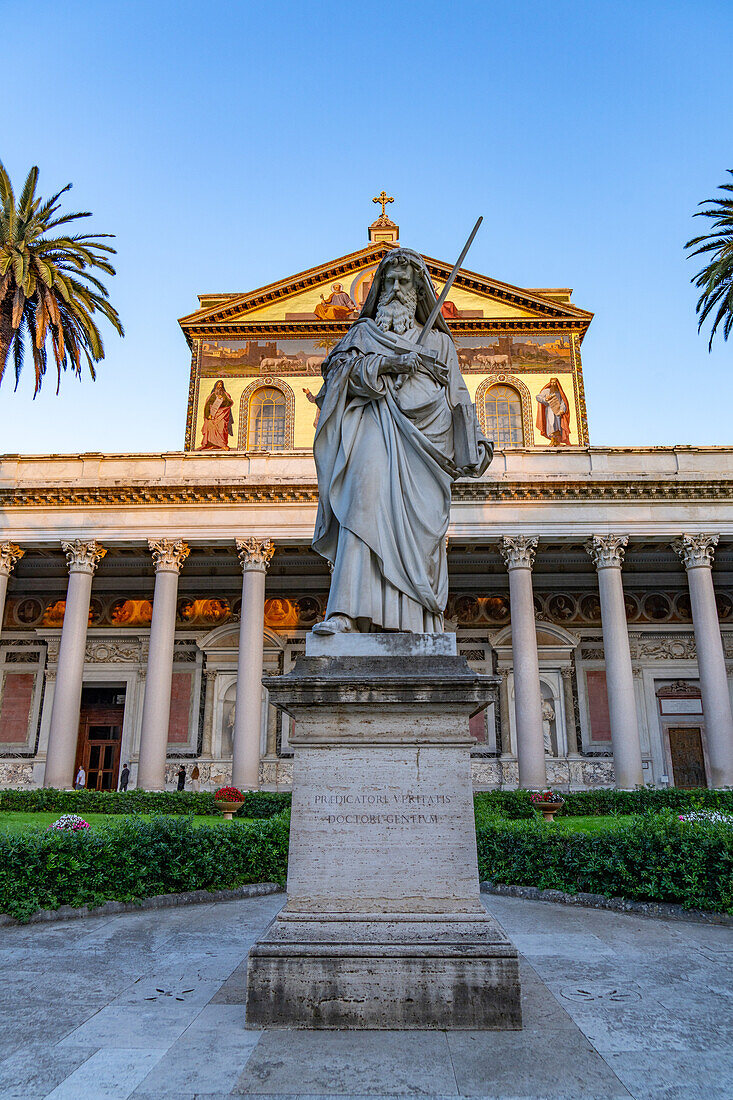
{"type": "Point", "coordinates": [695, 550]}
{"type": "Point", "coordinates": [168, 554]}
{"type": "Point", "coordinates": [83, 557]}
{"type": "Point", "coordinates": [518, 551]}
{"type": "Point", "coordinates": [607, 550]}
{"type": "Point", "coordinates": [255, 553]}
{"type": "Point", "coordinates": [9, 554]}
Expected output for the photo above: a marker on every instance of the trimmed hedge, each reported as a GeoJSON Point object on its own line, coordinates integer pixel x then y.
{"type": "Point", "coordinates": [136, 858]}
{"type": "Point", "coordinates": [259, 804]}
{"type": "Point", "coordinates": [645, 800]}
{"type": "Point", "coordinates": [607, 801]}
{"type": "Point", "coordinates": [513, 805]}
{"type": "Point", "coordinates": [655, 857]}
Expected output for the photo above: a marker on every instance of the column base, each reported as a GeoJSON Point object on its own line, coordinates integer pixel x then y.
{"type": "Point", "coordinates": [435, 971]}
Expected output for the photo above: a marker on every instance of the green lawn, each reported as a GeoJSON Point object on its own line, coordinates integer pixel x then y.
{"type": "Point", "coordinates": [15, 822]}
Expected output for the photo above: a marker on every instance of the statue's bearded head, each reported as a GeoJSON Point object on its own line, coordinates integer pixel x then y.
{"type": "Point", "coordinates": [397, 303]}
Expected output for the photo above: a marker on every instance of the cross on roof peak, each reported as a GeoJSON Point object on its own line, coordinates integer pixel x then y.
{"type": "Point", "coordinates": [383, 198]}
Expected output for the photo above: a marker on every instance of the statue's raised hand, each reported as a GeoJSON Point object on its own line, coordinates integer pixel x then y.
{"type": "Point", "coordinates": [400, 364]}
{"type": "Point", "coordinates": [409, 363]}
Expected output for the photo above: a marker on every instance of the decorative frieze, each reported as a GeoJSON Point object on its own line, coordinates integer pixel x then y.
{"type": "Point", "coordinates": [518, 551]}
{"type": "Point", "coordinates": [150, 496]}
{"type": "Point", "coordinates": [607, 551]}
{"type": "Point", "coordinates": [9, 555]}
{"type": "Point", "coordinates": [110, 652]}
{"type": "Point", "coordinates": [696, 550]}
{"type": "Point", "coordinates": [655, 647]}
{"type": "Point", "coordinates": [255, 553]}
{"type": "Point", "coordinates": [168, 554]}
{"type": "Point", "coordinates": [83, 557]}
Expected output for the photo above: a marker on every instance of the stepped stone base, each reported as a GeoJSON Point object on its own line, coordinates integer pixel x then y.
{"type": "Point", "coordinates": [391, 974]}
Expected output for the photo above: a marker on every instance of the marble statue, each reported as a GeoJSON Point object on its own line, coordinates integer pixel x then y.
{"type": "Point", "coordinates": [396, 428]}
{"type": "Point", "coordinates": [548, 717]}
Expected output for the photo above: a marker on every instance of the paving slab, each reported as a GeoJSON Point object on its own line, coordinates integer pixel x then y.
{"type": "Point", "coordinates": [341, 1063]}
{"type": "Point", "coordinates": [157, 1026]}
{"type": "Point", "coordinates": [22, 1024]}
{"type": "Point", "coordinates": [669, 1075]}
{"type": "Point", "coordinates": [234, 990]}
{"type": "Point", "coordinates": [36, 1069]}
{"type": "Point", "coordinates": [167, 989]}
{"type": "Point", "coordinates": [209, 1057]}
{"type": "Point", "coordinates": [551, 1065]}
{"type": "Point", "coordinates": [582, 947]}
{"type": "Point", "coordinates": [40, 987]}
{"type": "Point", "coordinates": [110, 1074]}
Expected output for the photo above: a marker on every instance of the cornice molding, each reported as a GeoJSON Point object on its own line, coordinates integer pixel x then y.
{"type": "Point", "coordinates": [265, 329]}
{"type": "Point", "coordinates": [222, 494]}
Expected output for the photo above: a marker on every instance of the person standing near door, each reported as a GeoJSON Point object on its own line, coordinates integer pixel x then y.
{"type": "Point", "coordinates": [181, 778]}
{"type": "Point", "coordinates": [124, 777]}
{"type": "Point", "coordinates": [81, 779]}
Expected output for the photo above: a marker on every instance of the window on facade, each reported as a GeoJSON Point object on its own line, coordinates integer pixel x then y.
{"type": "Point", "coordinates": [503, 412]}
{"type": "Point", "coordinates": [267, 410]}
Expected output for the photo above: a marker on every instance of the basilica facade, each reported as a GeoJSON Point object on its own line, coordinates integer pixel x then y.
{"type": "Point", "coordinates": [144, 598]}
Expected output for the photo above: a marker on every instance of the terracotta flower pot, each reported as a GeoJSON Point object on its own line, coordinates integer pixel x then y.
{"type": "Point", "coordinates": [228, 809]}
{"type": "Point", "coordinates": [548, 809]}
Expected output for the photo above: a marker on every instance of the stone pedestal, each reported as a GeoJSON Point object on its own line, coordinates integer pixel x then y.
{"type": "Point", "coordinates": [384, 926]}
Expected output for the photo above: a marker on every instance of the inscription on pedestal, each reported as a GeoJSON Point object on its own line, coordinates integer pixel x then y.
{"type": "Point", "coordinates": [385, 808]}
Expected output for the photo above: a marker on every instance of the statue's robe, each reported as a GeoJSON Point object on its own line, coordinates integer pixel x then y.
{"type": "Point", "coordinates": [385, 460]}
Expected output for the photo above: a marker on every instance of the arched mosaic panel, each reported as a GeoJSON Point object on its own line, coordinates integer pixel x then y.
{"type": "Point", "coordinates": [266, 383]}
{"type": "Point", "coordinates": [524, 394]}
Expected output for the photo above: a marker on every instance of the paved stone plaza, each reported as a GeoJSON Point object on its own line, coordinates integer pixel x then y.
{"type": "Point", "coordinates": [151, 1005]}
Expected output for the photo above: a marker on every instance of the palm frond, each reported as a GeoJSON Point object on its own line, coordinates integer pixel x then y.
{"type": "Point", "coordinates": [716, 278]}
{"type": "Point", "coordinates": [51, 290]}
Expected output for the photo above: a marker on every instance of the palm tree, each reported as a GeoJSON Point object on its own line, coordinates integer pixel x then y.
{"type": "Point", "coordinates": [716, 278]}
{"type": "Point", "coordinates": [47, 289]}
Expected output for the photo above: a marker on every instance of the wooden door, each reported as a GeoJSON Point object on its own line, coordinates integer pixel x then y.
{"type": "Point", "coordinates": [688, 761]}
{"type": "Point", "coordinates": [98, 747]}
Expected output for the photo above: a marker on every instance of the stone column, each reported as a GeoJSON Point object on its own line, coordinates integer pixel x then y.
{"type": "Point", "coordinates": [504, 704]}
{"type": "Point", "coordinates": [254, 555]}
{"type": "Point", "coordinates": [607, 552]}
{"type": "Point", "coordinates": [9, 554]}
{"type": "Point", "coordinates": [83, 558]}
{"type": "Point", "coordinates": [518, 553]}
{"type": "Point", "coordinates": [571, 730]}
{"type": "Point", "coordinates": [207, 742]}
{"type": "Point", "coordinates": [696, 552]}
{"type": "Point", "coordinates": [169, 555]}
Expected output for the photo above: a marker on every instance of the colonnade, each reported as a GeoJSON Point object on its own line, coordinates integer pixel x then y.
{"type": "Point", "coordinates": [169, 556]}
{"type": "Point", "coordinates": [606, 551]}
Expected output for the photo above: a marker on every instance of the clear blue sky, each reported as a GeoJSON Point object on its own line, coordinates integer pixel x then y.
{"type": "Point", "coordinates": [231, 144]}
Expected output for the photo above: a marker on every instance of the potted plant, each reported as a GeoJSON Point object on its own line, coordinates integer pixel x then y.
{"type": "Point", "coordinates": [228, 800]}
{"type": "Point", "coordinates": [547, 802]}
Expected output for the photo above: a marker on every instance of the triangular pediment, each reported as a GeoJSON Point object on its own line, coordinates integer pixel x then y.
{"type": "Point", "coordinates": [306, 296]}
